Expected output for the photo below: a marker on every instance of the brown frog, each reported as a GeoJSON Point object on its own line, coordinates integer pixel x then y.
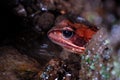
{"type": "Point", "coordinates": [72, 36]}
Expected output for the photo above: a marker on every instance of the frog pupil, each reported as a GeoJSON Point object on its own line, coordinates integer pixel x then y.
{"type": "Point", "coordinates": [67, 33]}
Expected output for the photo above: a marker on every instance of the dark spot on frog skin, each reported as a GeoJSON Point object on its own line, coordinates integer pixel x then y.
{"type": "Point", "coordinates": [79, 41]}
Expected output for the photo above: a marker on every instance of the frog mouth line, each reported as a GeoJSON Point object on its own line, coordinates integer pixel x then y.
{"type": "Point", "coordinates": [66, 44]}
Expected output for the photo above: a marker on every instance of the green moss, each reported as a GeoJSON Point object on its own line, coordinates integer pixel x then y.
{"type": "Point", "coordinates": [104, 73]}
{"type": "Point", "coordinates": [92, 66]}
{"type": "Point", "coordinates": [116, 70]}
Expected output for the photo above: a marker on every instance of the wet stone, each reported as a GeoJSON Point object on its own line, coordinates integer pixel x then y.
{"type": "Point", "coordinates": [43, 22]}
{"type": "Point", "coordinates": [16, 66]}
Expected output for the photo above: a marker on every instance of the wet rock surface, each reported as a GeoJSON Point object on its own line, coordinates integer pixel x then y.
{"type": "Point", "coordinates": [17, 66]}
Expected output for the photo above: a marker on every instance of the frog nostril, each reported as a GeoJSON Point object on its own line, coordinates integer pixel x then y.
{"type": "Point", "coordinates": [67, 33]}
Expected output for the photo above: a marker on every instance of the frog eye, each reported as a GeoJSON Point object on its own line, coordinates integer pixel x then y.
{"type": "Point", "coordinates": [67, 33]}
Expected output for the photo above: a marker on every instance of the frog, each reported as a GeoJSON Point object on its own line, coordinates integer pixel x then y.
{"type": "Point", "coordinates": [72, 36]}
{"type": "Point", "coordinates": [90, 44]}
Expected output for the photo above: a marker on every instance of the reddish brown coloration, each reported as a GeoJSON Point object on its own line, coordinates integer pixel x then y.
{"type": "Point", "coordinates": [80, 34]}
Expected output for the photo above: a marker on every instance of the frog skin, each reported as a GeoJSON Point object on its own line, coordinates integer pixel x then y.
{"type": "Point", "coordinates": [71, 36]}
